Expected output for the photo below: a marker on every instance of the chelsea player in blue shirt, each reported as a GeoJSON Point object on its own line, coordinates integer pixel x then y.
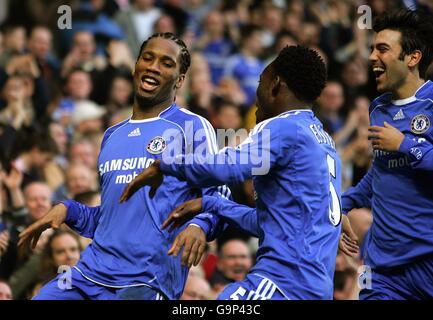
{"type": "Point", "coordinates": [297, 183]}
{"type": "Point", "coordinates": [398, 187]}
{"type": "Point", "coordinates": [128, 256]}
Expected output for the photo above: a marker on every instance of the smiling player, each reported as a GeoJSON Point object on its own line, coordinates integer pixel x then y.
{"type": "Point", "coordinates": [128, 256]}
{"type": "Point", "coordinates": [398, 187]}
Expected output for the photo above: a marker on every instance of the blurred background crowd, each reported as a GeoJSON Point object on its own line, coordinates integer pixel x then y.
{"type": "Point", "coordinates": [60, 90]}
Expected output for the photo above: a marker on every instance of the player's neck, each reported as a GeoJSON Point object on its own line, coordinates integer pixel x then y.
{"type": "Point", "coordinates": [147, 112]}
{"type": "Point", "coordinates": [408, 88]}
{"type": "Point", "coordinates": [290, 103]}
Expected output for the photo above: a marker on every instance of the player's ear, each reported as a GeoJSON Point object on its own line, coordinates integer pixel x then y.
{"type": "Point", "coordinates": [275, 86]}
{"type": "Point", "coordinates": [414, 58]}
{"type": "Point", "coordinates": [180, 81]}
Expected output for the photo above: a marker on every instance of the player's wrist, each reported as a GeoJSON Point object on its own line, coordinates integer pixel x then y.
{"type": "Point", "coordinates": [406, 145]}
{"type": "Point", "coordinates": [71, 215]}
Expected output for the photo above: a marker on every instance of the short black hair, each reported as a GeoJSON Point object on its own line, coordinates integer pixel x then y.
{"type": "Point", "coordinates": [303, 70]}
{"type": "Point", "coordinates": [185, 57]}
{"type": "Point", "coordinates": [416, 33]}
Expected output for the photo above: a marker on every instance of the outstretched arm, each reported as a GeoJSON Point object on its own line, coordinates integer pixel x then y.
{"type": "Point", "coordinates": [241, 216]}
{"type": "Point", "coordinates": [255, 156]}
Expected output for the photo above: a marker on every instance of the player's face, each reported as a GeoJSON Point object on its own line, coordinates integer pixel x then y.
{"type": "Point", "coordinates": [263, 95]}
{"type": "Point", "coordinates": [156, 73]}
{"type": "Point", "coordinates": [390, 71]}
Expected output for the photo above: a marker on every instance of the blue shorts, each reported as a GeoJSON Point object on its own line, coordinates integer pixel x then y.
{"type": "Point", "coordinates": [79, 288]}
{"type": "Point", "coordinates": [254, 287]}
{"type": "Point", "coordinates": [409, 282]}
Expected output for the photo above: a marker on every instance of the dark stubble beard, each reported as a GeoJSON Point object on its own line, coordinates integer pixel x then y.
{"type": "Point", "coordinates": [148, 103]}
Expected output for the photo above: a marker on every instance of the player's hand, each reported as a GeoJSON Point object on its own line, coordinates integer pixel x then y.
{"type": "Point", "coordinates": [193, 241]}
{"type": "Point", "coordinates": [151, 176]}
{"type": "Point", "coordinates": [53, 219]}
{"type": "Point", "coordinates": [348, 239]}
{"type": "Point", "coordinates": [183, 213]}
{"type": "Point", "coordinates": [386, 138]}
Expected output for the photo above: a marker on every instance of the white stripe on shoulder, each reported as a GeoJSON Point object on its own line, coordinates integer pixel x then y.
{"type": "Point", "coordinates": [286, 114]}
{"type": "Point", "coordinates": [207, 127]}
{"type": "Point", "coordinates": [431, 100]}
{"type": "Point", "coordinates": [259, 127]}
{"type": "Point", "coordinates": [180, 127]}
{"type": "Point", "coordinates": [374, 109]}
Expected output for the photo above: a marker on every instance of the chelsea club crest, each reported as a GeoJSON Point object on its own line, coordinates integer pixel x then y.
{"type": "Point", "coordinates": [420, 124]}
{"type": "Point", "coordinates": [157, 145]}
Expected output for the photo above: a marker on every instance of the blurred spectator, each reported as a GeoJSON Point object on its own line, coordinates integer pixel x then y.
{"type": "Point", "coordinates": [174, 8]}
{"type": "Point", "coordinates": [37, 197]}
{"type": "Point", "coordinates": [58, 134]}
{"type": "Point", "coordinates": [200, 86]}
{"type": "Point", "coordinates": [79, 179]}
{"type": "Point", "coordinates": [5, 291]}
{"type": "Point", "coordinates": [84, 152]}
{"type": "Point", "coordinates": [137, 22]}
{"type": "Point", "coordinates": [62, 249]}
{"type": "Point", "coordinates": [90, 15]}
{"type": "Point", "coordinates": [4, 242]}
{"type": "Point", "coordinates": [246, 67]}
{"type": "Point", "coordinates": [18, 111]}
{"type": "Point", "coordinates": [87, 119]}
{"type": "Point", "coordinates": [120, 94]}
{"type": "Point", "coordinates": [196, 288]}
{"type": "Point", "coordinates": [357, 154]}
{"type": "Point", "coordinates": [272, 22]}
{"type": "Point", "coordinates": [14, 43]}
{"type": "Point", "coordinates": [197, 10]}
{"type": "Point", "coordinates": [1, 43]}
{"type": "Point", "coordinates": [164, 23]}
{"type": "Point", "coordinates": [83, 54]}
{"type": "Point", "coordinates": [216, 47]}
{"type": "Point", "coordinates": [78, 86]}
{"type": "Point", "coordinates": [329, 104]}
{"type": "Point", "coordinates": [228, 116]}
{"type": "Point", "coordinates": [40, 46]}
{"type": "Point", "coordinates": [234, 262]}
{"type": "Point", "coordinates": [36, 90]}
{"type": "Point", "coordinates": [354, 78]}
{"type": "Point", "coordinates": [34, 157]}
{"type": "Point", "coordinates": [345, 283]}
{"type": "Point", "coordinates": [229, 90]}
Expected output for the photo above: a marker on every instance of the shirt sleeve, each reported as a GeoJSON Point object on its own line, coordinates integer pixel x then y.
{"type": "Point", "coordinates": [419, 153]}
{"type": "Point", "coordinates": [211, 224]}
{"type": "Point", "coordinates": [255, 156]}
{"type": "Point", "coordinates": [82, 218]}
{"type": "Point", "coordinates": [243, 217]}
{"type": "Point", "coordinates": [358, 196]}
